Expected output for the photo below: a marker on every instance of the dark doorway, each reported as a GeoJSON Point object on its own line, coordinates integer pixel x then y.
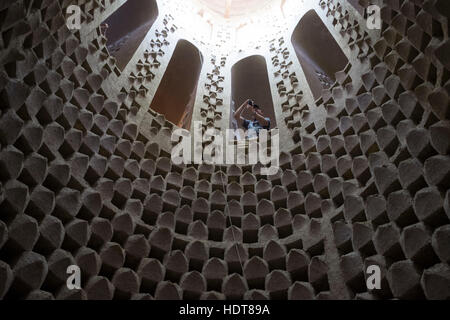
{"type": "Point", "coordinates": [249, 80]}
{"type": "Point", "coordinates": [175, 97]}
{"type": "Point", "coordinates": [319, 54]}
{"type": "Point", "coordinates": [357, 6]}
{"type": "Point", "coordinates": [128, 27]}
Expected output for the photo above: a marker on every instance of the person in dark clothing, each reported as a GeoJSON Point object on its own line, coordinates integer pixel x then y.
{"type": "Point", "coordinates": [259, 121]}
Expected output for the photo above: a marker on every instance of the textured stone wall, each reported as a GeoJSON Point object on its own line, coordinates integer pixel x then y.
{"type": "Point", "coordinates": [86, 176]}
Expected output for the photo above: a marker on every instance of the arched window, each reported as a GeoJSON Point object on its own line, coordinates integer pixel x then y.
{"type": "Point", "coordinates": [127, 28]}
{"type": "Point", "coordinates": [250, 80]}
{"type": "Point", "coordinates": [175, 97]}
{"type": "Point", "coordinates": [319, 54]}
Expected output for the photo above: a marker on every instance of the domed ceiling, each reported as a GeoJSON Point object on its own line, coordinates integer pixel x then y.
{"type": "Point", "coordinates": [232, 8]}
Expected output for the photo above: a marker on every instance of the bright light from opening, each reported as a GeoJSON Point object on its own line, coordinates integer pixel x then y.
{"type": "Point", "coordinates": [227, 25]}
{"type": "Point", "coordinates": [232, 8]}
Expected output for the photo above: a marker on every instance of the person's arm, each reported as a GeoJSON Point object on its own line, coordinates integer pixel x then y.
{"type": "Point", "coordinates": [238, 113]}
{"type": "Point", "coordinates": [262, 121]}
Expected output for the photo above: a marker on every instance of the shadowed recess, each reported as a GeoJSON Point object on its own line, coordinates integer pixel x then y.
{"type": "Point", "coordinates": [128, 27]}
{"type": "Point", "coordinates": [319, 68]}
{"type": "Point", "coordinates": [175, 97]}
{"type": "Point", "coordinates": [250, 80]}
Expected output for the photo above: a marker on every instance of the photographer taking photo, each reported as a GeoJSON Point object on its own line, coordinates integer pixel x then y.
{"type": "Point", "coordinates": [257, 123]}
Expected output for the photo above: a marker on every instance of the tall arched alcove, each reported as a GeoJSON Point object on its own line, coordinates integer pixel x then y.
{"type": "Point", "coordinates": [250, 80]}
{"type": "Point", "coordinates": [357, 6]}
{"type": "Point", "coordinates": [128, 27]}
{"type": "Point", "coordinates": [318, 52]}
{"type": "Point", "coordinates": [175, 97]}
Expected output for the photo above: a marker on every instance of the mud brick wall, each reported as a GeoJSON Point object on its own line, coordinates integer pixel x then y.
{"type": "Point", "coordinates": [86, 176]}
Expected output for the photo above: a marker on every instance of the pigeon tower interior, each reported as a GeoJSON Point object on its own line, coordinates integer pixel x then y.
{"type": "Point", "coordinates": [87, 115]}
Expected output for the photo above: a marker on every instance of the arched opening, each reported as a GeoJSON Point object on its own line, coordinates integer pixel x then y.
{"type": "Point", "coordinates": [175, 97]}
{"type": "Point", "coordinates": [127, 28]}
{"type": "Point", "coordinates": [319, 54]}
{"type": "Point", "coordinates": [357, 6]}
{"type": "Point", "coordinates": [250, 80]}
{"type": "Point", "coordinates": [233, 8]}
